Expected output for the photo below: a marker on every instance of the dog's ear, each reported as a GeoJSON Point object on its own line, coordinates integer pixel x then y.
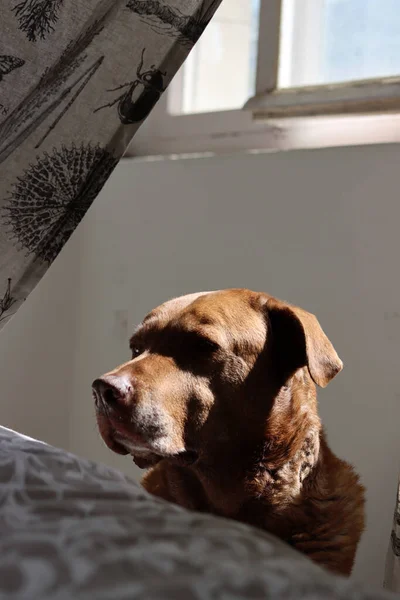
{"type": "Point", "coordinates": [300, 341]}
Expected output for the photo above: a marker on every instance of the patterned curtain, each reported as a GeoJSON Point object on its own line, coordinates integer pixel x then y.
{"type": "Point", "coordinates": [392, 570]}
{"type": "Point", "coordinates": [77, 78]}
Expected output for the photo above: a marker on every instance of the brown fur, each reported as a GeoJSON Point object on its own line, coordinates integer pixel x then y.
{"type": "Point", "coordinates": [230, 425]}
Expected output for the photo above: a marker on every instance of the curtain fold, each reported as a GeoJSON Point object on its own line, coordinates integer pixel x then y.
{"type": "Point", "coordinates": [392, 567]}
{"type": "Point", "coordinates": [77, 79]}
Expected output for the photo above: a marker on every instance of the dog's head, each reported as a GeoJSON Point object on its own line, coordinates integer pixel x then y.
{"type": "Point", "coordinates": [207, 367]}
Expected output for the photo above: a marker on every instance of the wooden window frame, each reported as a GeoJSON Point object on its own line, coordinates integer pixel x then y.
{"type": "Point", "coordinates": [358, 112]}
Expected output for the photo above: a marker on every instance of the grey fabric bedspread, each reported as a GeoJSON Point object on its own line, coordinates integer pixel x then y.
{"type": "Point", "coordinates": [72, 529]}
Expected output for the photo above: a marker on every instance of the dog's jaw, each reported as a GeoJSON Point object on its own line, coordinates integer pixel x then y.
{"type": "Point", "coordinates": [141, 455]}
{"type": "Point", "coordinates": [146, 461]}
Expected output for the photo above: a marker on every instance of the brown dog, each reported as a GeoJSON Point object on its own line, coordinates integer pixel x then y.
{"type": "Point", "coordinates": [219, 399]}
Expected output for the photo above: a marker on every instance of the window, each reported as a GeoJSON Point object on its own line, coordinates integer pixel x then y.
{"type": "Point", "coordinates": [280, 59]}
{"type": "Point", "coordinates": [333, 41]}
{"type": "Point", "coordinates": [219, 73]}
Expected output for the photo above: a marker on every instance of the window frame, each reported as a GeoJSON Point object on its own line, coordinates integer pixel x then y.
{"type": "Point", "coordinates": [276, 118]}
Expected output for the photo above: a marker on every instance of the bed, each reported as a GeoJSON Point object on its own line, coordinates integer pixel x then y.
{"type": "Point", "coordinates": [73, 529]}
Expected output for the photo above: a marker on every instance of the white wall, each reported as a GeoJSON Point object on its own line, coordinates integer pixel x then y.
{"type": "Point", "coordinates": [318, 228]}
{"type": "Point", "coordinates": [37, 349]}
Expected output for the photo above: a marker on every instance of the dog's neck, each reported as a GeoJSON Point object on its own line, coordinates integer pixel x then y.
{"type": "Point", "coordinates": [273, 466]}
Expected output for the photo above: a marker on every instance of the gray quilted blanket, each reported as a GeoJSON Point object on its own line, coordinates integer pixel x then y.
{"type": "Point", "coordinates": [72, 529]}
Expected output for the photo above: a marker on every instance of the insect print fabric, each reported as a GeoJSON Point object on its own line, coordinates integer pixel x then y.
{"type": "Point", "coordinates": [77, 79]}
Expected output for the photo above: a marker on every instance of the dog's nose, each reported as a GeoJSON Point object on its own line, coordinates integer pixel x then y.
{"type": "Point", "coordinates": [106, 392]}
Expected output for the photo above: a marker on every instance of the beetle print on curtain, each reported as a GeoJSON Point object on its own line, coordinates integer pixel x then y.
{"type": "Point", "coordinates": [77, 79]}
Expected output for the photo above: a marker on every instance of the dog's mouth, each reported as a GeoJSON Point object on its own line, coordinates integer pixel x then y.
{"type": "Point", "coordinates": [141, 453]}
{"type": "Point", "coordinates": [124, 440]}
{"type": "Point", "coordinates": [144, 457]}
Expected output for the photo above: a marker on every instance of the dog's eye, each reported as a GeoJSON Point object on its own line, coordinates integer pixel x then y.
{"type": "Point", "coordinates": [136, 351]}
{"type": "Point", "coordinates": [205, 345]}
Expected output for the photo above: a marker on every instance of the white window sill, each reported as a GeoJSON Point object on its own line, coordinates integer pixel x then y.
{"type": "Point", "coordinates": [368, 97]}
{"type": "Point", "coordinates": [236, 131]}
